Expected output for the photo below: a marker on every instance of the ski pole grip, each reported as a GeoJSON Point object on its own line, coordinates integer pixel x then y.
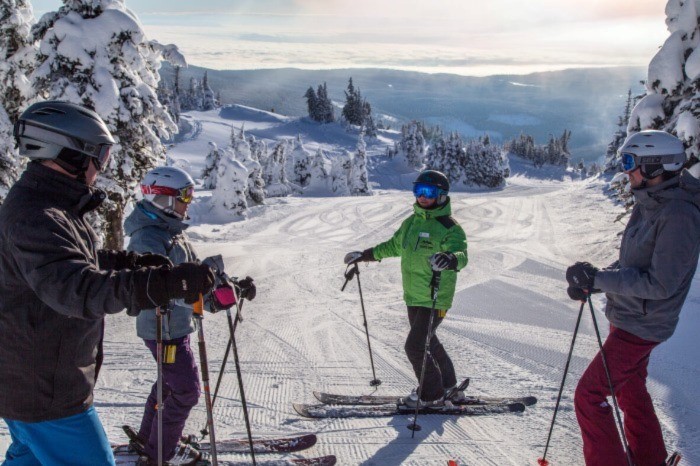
{"type": "Point", "coordinates": [349, 273]}
{"type": "Point", "coordinates": [198, 307]}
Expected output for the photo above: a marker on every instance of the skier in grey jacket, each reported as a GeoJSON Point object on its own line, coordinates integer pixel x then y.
{"type": "Point", "coordinates": [157, 226]}
{"type": "Point", "coordinates": [645, 289]}
{"type": "Point", "coordinates": [56, 288]}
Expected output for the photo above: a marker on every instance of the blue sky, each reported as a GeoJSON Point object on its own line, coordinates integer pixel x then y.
{"type": "Point", "coordinates": [461, 36]}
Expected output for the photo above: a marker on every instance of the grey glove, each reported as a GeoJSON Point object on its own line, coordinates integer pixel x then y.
{"type": "Point", "coordinates": [359, 256]}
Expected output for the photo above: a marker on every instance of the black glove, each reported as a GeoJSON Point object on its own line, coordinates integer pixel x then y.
{"type": "Point", "coordinates": [184, 281]}
{"type": "Point", "coordinates": [247, 288]}
{"type": "Point", "coordinates": [577, 294]}
{"type": "Point", "coordinates": [581, 275]}
{"type": "Point", "coordinates": [359, 256]}
{"type": "Point", "coordinates": [443, 260]}
{"type": "Point", "coordinates": [149, 260]}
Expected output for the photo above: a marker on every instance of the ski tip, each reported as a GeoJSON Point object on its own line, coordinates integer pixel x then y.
{"type": "Point", "coordinates": [302, 409]}
{"type": "Point", "coordinates": [529, 400]}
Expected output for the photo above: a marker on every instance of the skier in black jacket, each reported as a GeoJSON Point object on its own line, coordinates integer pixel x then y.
{"type": "Point", "coordinates": [56, 288]}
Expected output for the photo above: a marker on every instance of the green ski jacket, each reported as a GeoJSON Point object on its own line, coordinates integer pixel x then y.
{"type": "Point", "coordinates": [421, 235]}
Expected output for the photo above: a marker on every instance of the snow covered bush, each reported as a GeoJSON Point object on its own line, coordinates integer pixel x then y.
{"type": "Point", "coordinates": [95, 53]}
{"type": "Point", "coordinates": [484, 164]}
{"type": "Point", "coordinates": [672, 102]}
{"type": "Point", "coordinates": [555, 152]}
{"type": "Point", "coordinates": [320, 174]}
{"type": "Point", "coordinates": [231, 184]}
{"type": "Point", "coordinates": [243, 153]}
{"type": "Point", "coordinates": [340, 173]}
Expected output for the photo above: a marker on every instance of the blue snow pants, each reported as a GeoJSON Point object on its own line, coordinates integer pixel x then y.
{"type": "Point", "coordinates": [78, 440]}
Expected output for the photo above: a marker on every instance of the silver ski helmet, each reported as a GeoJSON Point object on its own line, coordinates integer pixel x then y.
{"type": "Point", "coordinates": [655, 152]}
{"type": "Point", "coordinates": [163, 185]}
{"type": "Point", "coordinates": [70, 134]}
{"type": "Point", "coordinates": [433, 185]}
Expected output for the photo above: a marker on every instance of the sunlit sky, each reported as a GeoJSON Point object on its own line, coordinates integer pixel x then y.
{"type": "Point", "coordinates": [466, 37]}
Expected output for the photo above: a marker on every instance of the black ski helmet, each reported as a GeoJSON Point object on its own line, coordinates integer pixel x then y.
{"type": "Point", "coordinates": [438, 179]}
{"type": "Point", "coordinates": [67, 133]}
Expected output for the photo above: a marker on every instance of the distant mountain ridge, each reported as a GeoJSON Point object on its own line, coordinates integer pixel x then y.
{"type": "Point", "coordinates": [585, 101]}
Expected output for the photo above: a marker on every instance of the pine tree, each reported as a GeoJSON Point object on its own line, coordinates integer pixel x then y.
{"type": "Point", "coordinates": [355, 110]}
{"type": "Point", "coordinates": [358, 182]}
{"type": "Point", "coordinates": [17, 55]}
{"type": "Point", "coordinates": [208, 97]}
{"type": "Point", "coordinates": [211, 163]}
{"type": "Point", "coordinates": [231, 184]}
{"type": "Point", "coordinates": [301, 158]}
{"type": "Point", "coordinates": [312, 104]}
{"type": "Point", "coordinates": [672, 101]}
{"type": "Point", "coordinates": [94, 53]}
{"type": "Point", "coordinates": [275, 173]}
{"type": "Point", "coordinates": [412, 144]}
{"type": "Point", "coordinates": [325, 106]}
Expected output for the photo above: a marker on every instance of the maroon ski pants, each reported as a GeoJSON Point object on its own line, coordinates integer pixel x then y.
{"type": "Point", "coordinates": [628, 357]}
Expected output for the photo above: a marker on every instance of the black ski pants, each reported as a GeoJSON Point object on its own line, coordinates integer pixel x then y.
{"type": "Point", "coordinates": [439, 371]}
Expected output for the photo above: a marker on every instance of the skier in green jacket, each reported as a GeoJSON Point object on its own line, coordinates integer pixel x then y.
{"type": "Point", "coordinates": [428, 241]}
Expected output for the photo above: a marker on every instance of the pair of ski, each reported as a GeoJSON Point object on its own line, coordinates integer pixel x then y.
{"type": "Point", "coordinates": [363, 406]}
{"type": "Point", "coordinates": [125, 456]}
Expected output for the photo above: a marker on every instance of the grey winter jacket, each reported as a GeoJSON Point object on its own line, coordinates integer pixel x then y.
{"type": "Point", "coordinates": [153, 231]}
{"type": "Point", "coordinates": [53, 297]}
{"type": "Point", "coordinates": [647, 286]}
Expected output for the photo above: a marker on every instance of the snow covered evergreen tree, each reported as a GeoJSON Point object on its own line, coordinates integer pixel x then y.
{"type": "Point", "coordinates": [352, 110]}
{"type": "Point", "coordinates": [340, 173]}
{"type": "Point", "coordinates": [358, 182]}
{"type": "Point", "coordinates": [17, 55]}
{"type": "Point", "coordinates": [672, 102]}
{"type": "Point", "coordinates": [320, 174]}
{"type": "Point", "coordinates": [412, 144]}
{"type": "Point", "coordinates": [95, 53]}
{"type": "Point", "coordinates": [243, 153]}
{"type": "Point", "coordinates": [312, 104]}
{"type": "Point", "coordinates": [211, 163]}
{"type": "Point", "coordinates": [483, 164]}
{"type": "Point", "coordinates": [208, 97]}
{"type": "Point", "coordinates": [301, 158]}
{"type": "Point", "coordinates": [555, 152]}
{"type": "Point", "coordinates": [231, 184]}
{"type": "Point", "coordinates": [275, 174]}
{"type": "Point", "coordinates": [256, 184]}
{"type": "Point", "coordinates": [326, 113]}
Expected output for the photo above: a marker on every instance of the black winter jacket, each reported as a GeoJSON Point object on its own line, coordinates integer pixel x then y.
{"type": "Point", "coordinates": [53, 297]}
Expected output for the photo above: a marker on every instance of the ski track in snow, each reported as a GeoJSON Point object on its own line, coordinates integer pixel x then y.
{"type": "Point", "coordinates": [510, 327]}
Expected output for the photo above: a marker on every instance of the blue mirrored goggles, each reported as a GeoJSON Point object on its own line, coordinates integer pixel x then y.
{"type": "Point", "coordinates": [628, 161]}
{"type": "Point", "coordinates": [426, 190]}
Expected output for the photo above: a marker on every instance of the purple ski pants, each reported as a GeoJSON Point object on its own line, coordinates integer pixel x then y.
{"type": "Point", "coordinates": [180, 394]}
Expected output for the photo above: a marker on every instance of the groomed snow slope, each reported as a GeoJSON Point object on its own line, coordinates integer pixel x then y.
{"type": "Point", "coordinates": [509, 330]}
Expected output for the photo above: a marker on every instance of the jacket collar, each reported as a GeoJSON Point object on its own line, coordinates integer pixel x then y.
{"type": "Point", "coordinates": [146, 215]}
{"type": "Point", "coordinates": [65, 191]}
{"type": "Point", "coordinates": [683, 187]}
{"type": "Point", "coordinates": [445, 209]}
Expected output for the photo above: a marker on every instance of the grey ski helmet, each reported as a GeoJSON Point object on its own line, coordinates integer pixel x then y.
{"type": "Point", "coordinates": [46, 129]}
{"type": "Point", "coordinates": [163, 185]}
{"type": "Point", "coordinates": [655, 152]}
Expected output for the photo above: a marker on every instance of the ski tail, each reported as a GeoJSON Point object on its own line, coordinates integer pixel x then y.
{"type": "Point", "coordinates": [674, 459]}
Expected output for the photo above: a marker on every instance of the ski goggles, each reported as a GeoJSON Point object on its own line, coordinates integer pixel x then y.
{"type": "Point", "coordinates": [428, 191]}
{"type": "Point", "coordinates": [185, 195]}
{"type": "Point", "coordinates": [630, 161]}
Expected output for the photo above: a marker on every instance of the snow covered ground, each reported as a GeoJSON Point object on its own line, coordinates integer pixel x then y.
{"type": "Point", "coordinates": [509, 330]}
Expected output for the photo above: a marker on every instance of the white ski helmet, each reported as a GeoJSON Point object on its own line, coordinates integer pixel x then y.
{"type": "Point", "coordinates": [655, 152]}
{"type": "Point", "coordinates": [70, 134]}
{"type": "Point", "coordinates": [162, 185]}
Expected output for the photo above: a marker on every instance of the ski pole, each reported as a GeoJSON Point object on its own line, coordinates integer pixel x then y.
{"type": "Point", "coordinates": [618, 418]}
{"type": "Point", "coordinates": [159, 380]}
{"type": "Point", "coordinates": [349, 273]}
{"type": "Point", "coordinates": [223, 365]}
{"type": "Point", "coordinates": [244, 404]}
{"type": "Point", "coordinates": [543, 461]}
{"type": "Point", "coordinates": [435, 285]}
{"type": "Point", "coordinates": [198, 313]}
